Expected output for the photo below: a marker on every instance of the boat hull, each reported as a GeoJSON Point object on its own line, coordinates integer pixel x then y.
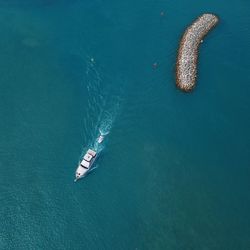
{"type": "Point", "coordinates": [84, 171]}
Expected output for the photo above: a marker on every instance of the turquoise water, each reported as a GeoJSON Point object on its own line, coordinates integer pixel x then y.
{"type": "Point", "coordinates": [174, 171]}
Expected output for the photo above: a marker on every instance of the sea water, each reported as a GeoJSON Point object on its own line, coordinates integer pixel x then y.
{"type": "Point", "coordinates": [174, 169]}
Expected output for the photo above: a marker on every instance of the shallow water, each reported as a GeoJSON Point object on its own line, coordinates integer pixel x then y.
{"type": "Point", "coordinates": [174, 171]}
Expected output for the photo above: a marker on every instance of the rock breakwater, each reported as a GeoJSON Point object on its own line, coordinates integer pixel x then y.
{"type": "Point", "coordinates": [186, 66]}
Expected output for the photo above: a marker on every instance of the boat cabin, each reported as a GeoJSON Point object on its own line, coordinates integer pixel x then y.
{"type": "Point", "coordinates": [85, 164]}
{"type": "Point", "coordinates": [91, 152]}
{"type": "Point", "coordinates": [87, 158]}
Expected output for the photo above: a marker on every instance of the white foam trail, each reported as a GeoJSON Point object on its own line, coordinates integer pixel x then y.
{"type": "Point", "coordinates": [103, 105]}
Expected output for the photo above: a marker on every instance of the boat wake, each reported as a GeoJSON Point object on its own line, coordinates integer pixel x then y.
{"type": "Point", "coordinates": [103, 104]}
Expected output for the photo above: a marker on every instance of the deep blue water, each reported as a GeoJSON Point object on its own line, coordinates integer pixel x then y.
{"type": "Point", "coordinates": [174, 172]}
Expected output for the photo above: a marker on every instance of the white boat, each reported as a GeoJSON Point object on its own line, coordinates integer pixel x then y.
{"type": "Point", "coordinates": [100, 139]}
{"type": "Point", "coordinates": [86, 164]}
{"type": "Point", "coordinates": [88, 160]}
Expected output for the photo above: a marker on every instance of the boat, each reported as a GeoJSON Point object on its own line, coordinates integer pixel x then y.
{"type": "Point", "coordinates": [85, 164]}
{"type": "Point", "coordinates": [100, 138]}
{"type": "Point", "coordinates": [88, 160]}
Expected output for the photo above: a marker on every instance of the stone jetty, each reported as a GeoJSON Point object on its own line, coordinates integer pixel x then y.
{"type": "Point", "coordinates": [186, 66]}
